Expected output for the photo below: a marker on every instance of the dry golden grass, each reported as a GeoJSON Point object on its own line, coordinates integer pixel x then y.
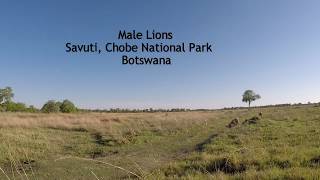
{"type": "Point", "coordinates": [38, 136]}
{"type": "Point", "coordinates": [109, 123]}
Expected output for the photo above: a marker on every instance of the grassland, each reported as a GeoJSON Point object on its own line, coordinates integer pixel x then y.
{"type": "Point", "coordinates": [283, 144]}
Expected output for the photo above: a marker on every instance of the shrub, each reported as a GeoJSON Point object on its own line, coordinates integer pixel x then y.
{"type": "Point", "coordinates": [51, 107]}
{"type": "Point", "coordinates": [67, 107]}
{"type": "Point", "coordinates": [15, 107]}
{"type": "Point", "coordinates": [32, 109]}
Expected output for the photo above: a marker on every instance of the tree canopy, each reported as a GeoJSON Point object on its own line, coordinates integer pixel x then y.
{"type": "Point", "coordinates": [67, 107]}
{"type": "Point", "coordinates": [250, 96]}
{"type": "Point", "coordinates": [7, 104]}
{"type": "Point", "coordinates": [51, 107]}
{"type": "Point", "coordinates": [6, 95]}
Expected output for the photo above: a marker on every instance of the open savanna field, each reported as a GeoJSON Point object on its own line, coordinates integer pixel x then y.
{"type": "Point", "coordinates": [283, 143]}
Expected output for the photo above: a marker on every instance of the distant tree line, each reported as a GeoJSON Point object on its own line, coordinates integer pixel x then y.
{"type": "Point", "coordinates": [8, 105]}
{"type": "Point", "coordinates": [276, 105]}
{"type": "Point", "coordinates": [119, 110]}
{"type": "Point", "coordinates": [66, 106]}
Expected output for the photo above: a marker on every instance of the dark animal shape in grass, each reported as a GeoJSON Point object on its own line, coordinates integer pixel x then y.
{"type": "Point", "coordinates": [314, 162]}
{"type": "Point", "coordinates": [233, 123]}
{"type": "Point", "coordinates": [252, 120]}
{"type": "Point", "coordinates": [260, 114]}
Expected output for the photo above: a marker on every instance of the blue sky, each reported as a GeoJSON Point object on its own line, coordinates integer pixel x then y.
{"type": "Point", "coordinates": [269, 46]}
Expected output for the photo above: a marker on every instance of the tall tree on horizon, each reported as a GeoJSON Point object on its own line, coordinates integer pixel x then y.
{"type": "Point", "coordinates": [6, 95]}
{"type": "Point", "coordinates": [249, 96]}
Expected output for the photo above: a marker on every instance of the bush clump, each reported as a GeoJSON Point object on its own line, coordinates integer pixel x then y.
{"type": "Point", "coordinates": [54, 107]}
{"type": "Point", "coordinates": [67, 107]}
{"type": "Point", "coordinates": [16, 107]}
{"type": "Point", "coordinates": [51, 107]}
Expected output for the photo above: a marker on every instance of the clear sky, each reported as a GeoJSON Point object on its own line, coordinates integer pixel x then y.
{"type": "Point", "coordinates": [269, 46]}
